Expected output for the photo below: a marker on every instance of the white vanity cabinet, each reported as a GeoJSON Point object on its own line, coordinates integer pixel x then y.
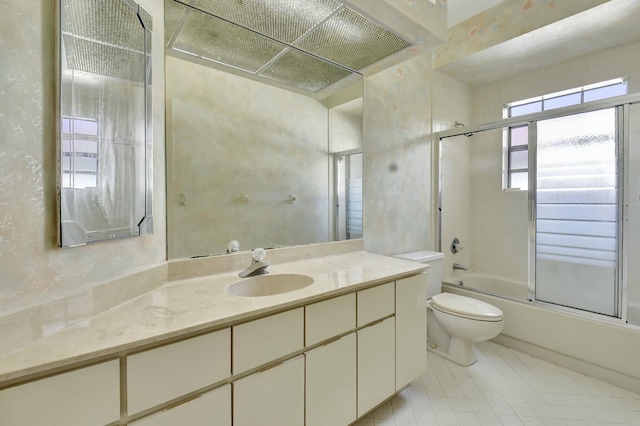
{"type": "Point", "coordinates": [411, 329]}
{"type": "Point", "coordinates": [159, 375]}
{"type": "Point", "coordinates": [272, 397]}
{"type": "Point", "coordinates": [210, 408]}
{"type": "Point", "coordinates": [331, 383]}
{"type": "Point", "coordinates": [85, 397]}
{"type": "Point", "coordinates": [325, 362]}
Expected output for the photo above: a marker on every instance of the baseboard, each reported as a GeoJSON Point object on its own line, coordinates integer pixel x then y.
{"type": "Point", "coordinates": [571, 363]}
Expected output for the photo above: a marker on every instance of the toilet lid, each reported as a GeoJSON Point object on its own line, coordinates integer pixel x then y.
{"type": "Point", "coordinates": [466, 307]}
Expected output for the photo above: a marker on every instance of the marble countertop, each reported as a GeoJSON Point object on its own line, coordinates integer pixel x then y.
{"type": "Point", "coordinates": [184, 307]}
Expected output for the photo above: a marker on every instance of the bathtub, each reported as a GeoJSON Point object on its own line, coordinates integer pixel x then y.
{"type": "Point", "coordinates": [598, 349]}
{"type": "Point", "coordinates": [633, 313]}
{"type": "Point", "coordinates": [490, 284]}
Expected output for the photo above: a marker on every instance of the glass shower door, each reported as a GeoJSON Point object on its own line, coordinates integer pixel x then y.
{"type": "Point", "coordinates": [577, 212]}
{"type": "Point", "coordinates": [348, 195]}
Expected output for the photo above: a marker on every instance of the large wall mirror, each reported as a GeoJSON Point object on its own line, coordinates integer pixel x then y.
{"type": "Point", "coordinates": [264, 138]}
{"type": "Point", "coordinates": [264, 135]}
{"type": "Point", "coordinates": [251, 162]}
{"type": "Point", "coordinates": [104, 134]}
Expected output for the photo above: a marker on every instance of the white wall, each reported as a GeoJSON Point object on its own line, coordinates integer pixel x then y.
{"type": "Point", "coordinates": [397, 158]}
{"type": "Point", "coordinates": [605, 65]}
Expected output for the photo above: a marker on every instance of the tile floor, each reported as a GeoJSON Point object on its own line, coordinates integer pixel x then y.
{"type": "Point", "coordinates": [506, 387]}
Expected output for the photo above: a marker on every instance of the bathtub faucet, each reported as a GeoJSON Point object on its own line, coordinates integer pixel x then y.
{"type": "Point", "coordinates": [459, 266]}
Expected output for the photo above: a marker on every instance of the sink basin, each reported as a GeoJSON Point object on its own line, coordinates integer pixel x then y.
{"type": "Point", "coordinates": [269, 285]}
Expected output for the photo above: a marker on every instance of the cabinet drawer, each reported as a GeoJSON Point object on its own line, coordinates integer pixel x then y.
{"type": "Point", "coordinates": [329, 318]}
{"type": "Point", "coordinates": [375, 303]}
{"type": "Point", "coordinates": [211, 408]}
{"type": "Point", "coordinates": [257, 342]}
{"type": "Point", "coordinates": [85, 397]}
{"type": "Point", "coordinates": [162, 374]}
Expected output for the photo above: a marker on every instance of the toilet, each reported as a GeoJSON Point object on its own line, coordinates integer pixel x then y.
{"type": "Point", "coordinates": [454, 323]}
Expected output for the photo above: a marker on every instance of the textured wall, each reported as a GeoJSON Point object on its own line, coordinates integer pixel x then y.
{"type": "Point", "coordinates": [32, 268]}
{"type": "Point", "coordinates": [452, 103]}
{"type": "Point", "coordinates": [238, 148]}
{"type": "Point", "coordinates": [397, 158]}
{"type": "Point", "coordinates": [499, 219]}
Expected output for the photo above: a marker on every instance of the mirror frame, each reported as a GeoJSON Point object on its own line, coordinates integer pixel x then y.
{"type": "Point", "coordinates": [70, 232]}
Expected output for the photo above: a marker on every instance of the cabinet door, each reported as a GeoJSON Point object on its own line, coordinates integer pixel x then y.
{"type": "Point", "coordinates": [331, 382]}
{"type": "Point", "coordinates": [162, 374]}
{"type": "Point", "coordinates": [272, 397]}
{"type": "Point", "coordinates": [376, 364]}
{"type": "Point", "coordinates": [211, 408]}
{"type": "Point", "coordinates": [411, 329]}
{"type": "Point", "coordinates": [84, 397]}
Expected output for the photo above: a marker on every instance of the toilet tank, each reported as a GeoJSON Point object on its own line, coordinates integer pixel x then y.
{"type": "Point", "coordinates": [434, 259]}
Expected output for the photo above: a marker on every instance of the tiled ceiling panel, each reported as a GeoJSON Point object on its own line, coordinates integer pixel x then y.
{"type": "Point", "coordinates": [284, 20]}
{"type": "Point", "coordinates": [306, 44]}
{"type": "Point", "coordinates": [350, 39]}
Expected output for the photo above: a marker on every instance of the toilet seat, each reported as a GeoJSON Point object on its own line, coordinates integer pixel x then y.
{"type": "Point", "coordinates": [466, 307]}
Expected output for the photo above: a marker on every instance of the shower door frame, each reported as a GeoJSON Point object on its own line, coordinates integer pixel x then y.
{"type": "Point", "coordinates": [621, 146]}
{"type": "Point", "coordinates": [622, 104]}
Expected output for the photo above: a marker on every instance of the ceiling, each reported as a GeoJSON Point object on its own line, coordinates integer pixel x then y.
{"type": "Point", "coordinates": [611, 24]}
{"type": "Point", "coordinates": [460, 10]}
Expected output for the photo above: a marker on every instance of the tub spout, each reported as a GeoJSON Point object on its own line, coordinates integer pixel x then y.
{"type": "Point", "coordinates": [459, 266]}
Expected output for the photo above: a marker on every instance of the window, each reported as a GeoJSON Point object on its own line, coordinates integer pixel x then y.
{"type": "Point", "coordinates": [516, 141]}
{"type": "Point", "coordinates": [79, 153]}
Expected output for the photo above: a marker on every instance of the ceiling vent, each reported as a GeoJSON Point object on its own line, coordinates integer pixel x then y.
{"type": "Point", "coordinates": [306, 44]}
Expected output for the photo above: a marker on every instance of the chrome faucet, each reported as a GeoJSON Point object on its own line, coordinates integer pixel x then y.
{"type": "Point", "coordinates": [459, 266]}
{"type": "Point", "coordinates": [258, 264]}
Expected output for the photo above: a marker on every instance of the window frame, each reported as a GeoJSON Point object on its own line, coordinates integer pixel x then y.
{"type": "Point", "coordinates": [71, 135]}
{"type": "Point", "coordinates": [543, 101]}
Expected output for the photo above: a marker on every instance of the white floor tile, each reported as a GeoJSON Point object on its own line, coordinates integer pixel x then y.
{"type": "Point", "coordinates": [506, 387]}
{"type": "Point", "coordinates": [467, 419]}
{"type": "Point", "coordinates": [424, 415]}
{"type": "Point", "coordinates": [446, 417]}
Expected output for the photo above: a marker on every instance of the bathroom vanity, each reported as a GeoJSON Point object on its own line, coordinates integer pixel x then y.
{"type": "Point", "coordinates": [192, 353]}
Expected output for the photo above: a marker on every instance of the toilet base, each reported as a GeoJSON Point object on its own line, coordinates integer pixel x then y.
{"type": "Point", "coordinates": [459, 351]}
